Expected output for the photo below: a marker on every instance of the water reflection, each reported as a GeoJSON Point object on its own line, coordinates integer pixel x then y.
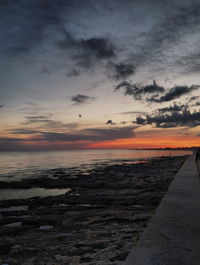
{"type": "Point", "coordinates": [9, 194]}
{"type": "Point", "coordinates": [26, 162]}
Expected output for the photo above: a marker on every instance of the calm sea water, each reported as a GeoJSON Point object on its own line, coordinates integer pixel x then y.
{"type": "Point", "coordinates": [19, 165]}
{"type": "Point", "coordinates": [12, 162]}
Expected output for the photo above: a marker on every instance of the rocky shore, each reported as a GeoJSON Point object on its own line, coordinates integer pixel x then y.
{"type": "Point", "coordinates": [97, 221]}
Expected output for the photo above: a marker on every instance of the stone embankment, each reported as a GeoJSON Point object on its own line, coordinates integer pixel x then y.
{"type": "Point", "coordinates": [172, 236]}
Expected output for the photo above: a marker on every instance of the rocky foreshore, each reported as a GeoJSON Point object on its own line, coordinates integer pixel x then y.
{"type": "Point", "coordinates": [97, 221]}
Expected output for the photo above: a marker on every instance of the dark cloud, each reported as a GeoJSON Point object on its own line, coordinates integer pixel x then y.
{"type": "Point", "coordinates": [111, 133]}
{"type": "Point", "coordinates": [26, 22]}
{"type": "Point", "coordinates": [194, 101]}
{"type": "Point", "coordinates": [175, 23]}
{"type": "Point", "coordinates": [92, 134]}
{"type": "Point", "coordinates": [87, 52]}
{"type": "Point", "coordinates": [110, 122]}
{"type": "Point", "coordinates": [67, 25]}
{"type": "Point", "coordinates": [79, 99]}
{"type": "Point", "coordinates": [36, 119]}
{"type": "Point", "coordinates": [122, 70]}
{"type": "Point", "coordinates": [47, 122]}
{"type": "Point", "coordinates": [194, 98]}
{"type": "Point", "coordinates": [129, 88]}
{"type": "Point", "coordinates": [173, 119]}
{"type": "Point", "coordinates": [151, 89]}
{"type": "Point", "coordinates": [90, 52]}
{"type": "Point", "coordinates": [24, 131]}
{"type": "Point", "coordinates": [69, 141]}
{"type": "Point", "coordinates": [11, 139]}
{"type": "Point", "coordinates": [1, 106]}
{"type": "Point", "coordinates": [37, 146]}
{"type": "Point", "coordinates": [139, 91]}
{"type": "Point", "coordinates": [172, 108]}
{"type": "Point", "coordinates": [174, 93]}
{"type": "Point", "coordinates": [100, 48]}
{"type": "Point", "coordinates": [74, 73]}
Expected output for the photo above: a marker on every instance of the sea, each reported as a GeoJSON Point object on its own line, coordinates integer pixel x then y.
{"type": "Point", "coordinates": [16, 166]}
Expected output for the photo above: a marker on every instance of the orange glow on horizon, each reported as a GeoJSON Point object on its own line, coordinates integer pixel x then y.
{"type": "Point", "coordinates": [172, 142]}
{"type": "Point", "coordinates": [142, 142]}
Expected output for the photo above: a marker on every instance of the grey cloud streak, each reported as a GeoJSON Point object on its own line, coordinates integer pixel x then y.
{"type": "Point", "coordinates": [91, 135]}
{"type": "Point", "coordinates": [87, 135]}
{"type": "Point", "coordinates": [80, 99]}
{"type": "Point", "coordinates": [47, 122]}
{"type": "Point", "coordinates": [132, 112]}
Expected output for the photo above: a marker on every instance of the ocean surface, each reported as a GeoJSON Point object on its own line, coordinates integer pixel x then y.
{"type": "Point", "coordinates": [30, 162]}
{"type": "Point", "coordinates": [15, 166]}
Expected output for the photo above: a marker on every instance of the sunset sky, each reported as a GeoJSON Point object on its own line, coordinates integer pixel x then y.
{"type": "Point", "coordinates": [87, 74]}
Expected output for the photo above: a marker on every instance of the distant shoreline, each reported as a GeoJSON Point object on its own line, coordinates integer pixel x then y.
{"type": "Point", "coordinates": [64, 150]}
{"type": "Point", "coordinates": [168, 148]}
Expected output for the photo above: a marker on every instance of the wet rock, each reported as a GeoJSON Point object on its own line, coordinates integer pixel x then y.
{"type": "Point", "coordinates": [85, 259]}
{"type": "Point", "coordinates": [15, 208]}
{"type": "Point", "coordinates": [5, 247]}
{"type": "Point", "coordinates": [142, 217]}
{"type": "Point", "coordinates": [97, 223]}
{"type": "Point", "coordinates": [14, 225]}
{"type": "Point", "coordinates": [16, 249]}
{"type": "Point", "coordinates": [45, 227]}
{"type": "Point", "coordinates": [59, 257]}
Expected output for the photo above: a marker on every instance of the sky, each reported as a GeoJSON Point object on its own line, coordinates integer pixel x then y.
{"type": "Point", "coordinates": [115, 74]}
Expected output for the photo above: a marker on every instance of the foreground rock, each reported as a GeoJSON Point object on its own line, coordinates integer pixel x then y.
{"type": "Point", "coordinates": [97, 222]}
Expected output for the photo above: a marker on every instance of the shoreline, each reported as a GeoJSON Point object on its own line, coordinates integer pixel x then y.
{"type": "Point", "coordinates": [97, 222]}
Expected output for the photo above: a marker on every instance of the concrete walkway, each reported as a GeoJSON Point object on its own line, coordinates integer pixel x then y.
{"type": "Point", "coordinates": [173, 234]}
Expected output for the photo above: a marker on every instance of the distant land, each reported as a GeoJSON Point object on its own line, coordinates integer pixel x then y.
{"type": "Point", "coordinates": [191, 148]}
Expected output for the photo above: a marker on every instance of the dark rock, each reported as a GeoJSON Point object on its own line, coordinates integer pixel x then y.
{"type": "Point", "coordinates": [101, 219]}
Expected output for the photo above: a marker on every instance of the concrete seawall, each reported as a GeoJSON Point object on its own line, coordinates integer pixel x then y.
{"type": "Point", "coordinates": [173, 235]}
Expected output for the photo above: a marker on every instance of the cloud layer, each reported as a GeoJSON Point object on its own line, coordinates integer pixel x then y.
{"type": "Point", "coordinates": [160, 94]}
{"type": "Point", "coordinates": [184, 118]}
{"type": "Point", "coordinates": [39, 137]}
{"type": "Point", "coordinates": [91, 31]}
{"type": "Point", "coordinates": [55, 50]}
{"type": "Point", "coordinates": [80, 99]}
